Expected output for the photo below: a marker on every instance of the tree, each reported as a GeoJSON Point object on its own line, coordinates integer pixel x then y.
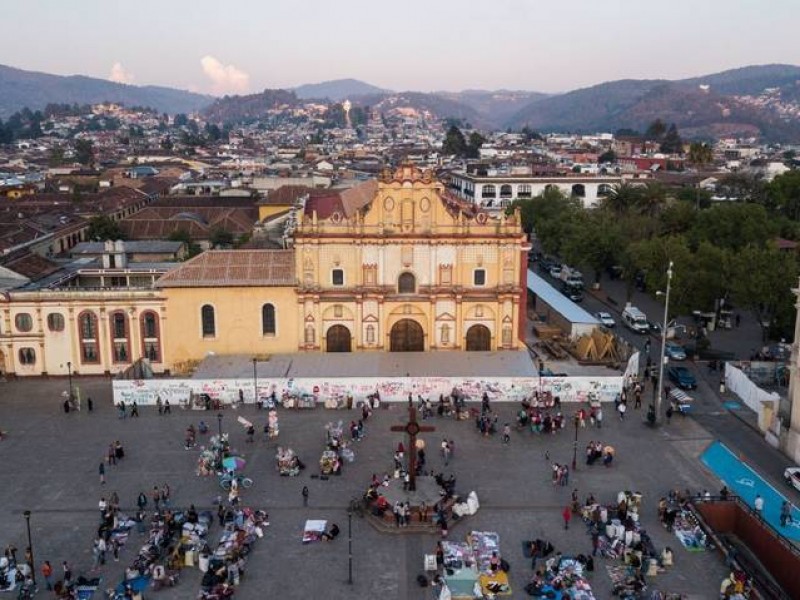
{"type": "Point", "coordinates": [762, 283]}
{"type": "Point", "coordinates": [550, 215]}
{"type": "Point", "coordinates": [784, 193]}
{"type": "Point", "coordinates": [656, 130]}
{"type": "Point", "coordinates": [180, 120]}
{"type": "Point", "coordinates": [103, 227]}
{"type": "Point", "coordinates": [651, 199]}
{"type": "Point", "coordinates": [700, 153]}
{"type": "Point", "coordinates": [672, 142]}
{"type": "Point", "coordinates": [609, 156]}
{"type": "Point", "coordinates": [473, 149]}
{"type": "Point", "coordinates": [454, 142]}
{"type": "Point", "coordinates": [56, 157]}
{"type": "Point", "coordinates": [622, 198]}
{"type": "Point", "coordinates": [220, 237]}
{"type": "Point", "coordinates": [595, 240]}
{"type": "Point", "coordinates": [84, 151]}
{"type": "Point", "coordinates": [733, 226]}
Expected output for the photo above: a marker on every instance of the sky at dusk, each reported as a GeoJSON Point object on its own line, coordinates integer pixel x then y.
{"type": "Point", "coordinates": [241, 46]}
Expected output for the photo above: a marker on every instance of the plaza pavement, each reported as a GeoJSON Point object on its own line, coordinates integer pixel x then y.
{"type": "Point", "coordinates": [49, 464]}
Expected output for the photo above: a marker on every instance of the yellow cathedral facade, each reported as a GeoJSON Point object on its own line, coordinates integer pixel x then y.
{"type": "Point", "coordinates": [395, 264]}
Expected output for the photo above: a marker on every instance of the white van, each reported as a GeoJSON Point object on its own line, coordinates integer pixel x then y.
{"type": "Point", "coordinates": [635, 319]}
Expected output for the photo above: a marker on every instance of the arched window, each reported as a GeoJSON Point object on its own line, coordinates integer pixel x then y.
{"type": "Point", "coordinates": [524, 191]}
{"type": "Point", "coordinates": [268, 319]}
{"type": "Point", "coordinates": [23, 322]}
{"type": "Point", "coordinates": [55, 322]}
{"type": "Point", "coordinates": [87, 330]}
{"type": "Point", "coordinates": [120, 343]}
{"type": "Point", "coordinates": [406, 283]}
{"type": "Point", "coordinates": [151, 341]}
{"type": "Point", "coordinates": [488, 191]}
{"type": "Point", "coordinates": [505, 191]}
{"type": "Point", "coordinates": [27, 356]}
{"type": "Point", "coordinates": [370, 334]}
{"type": "Point", "coordinates": [208, 319]}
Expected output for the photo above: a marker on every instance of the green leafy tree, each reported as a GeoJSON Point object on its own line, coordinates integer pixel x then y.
{"type": "Point", "coordinates": [622, 198]}
{"type": "Point", "coordinates": [476, 140]}
{"type": "Point", "coordinates": [220, 237]}
{"type": "Point", "coordinates": [454, 142]}
{"type": "Point", "coordinates": [103, 227]}
{"type": "Point", "coordinates": [656, 130]}
{"type": "Point", "coordinates": [733, 225]}
{"type": "Point", "coordinates": [672, 142]}
{"type": "Point", "coordinates": [594, 241]}
{"type": "Point", "coordinates": [700, 153]}
{"type": "Point", "coordinates": [609, 156]}
{"type": "Point", "coordinates": [764, 277]}
{"type": "Point", "coordinates": [784, 193]}
{"type": "Point", "coordinates": [84, 151]}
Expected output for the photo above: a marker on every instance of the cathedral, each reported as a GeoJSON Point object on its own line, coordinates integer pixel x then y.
{"type": "Point", "coordinates": [395, 264]}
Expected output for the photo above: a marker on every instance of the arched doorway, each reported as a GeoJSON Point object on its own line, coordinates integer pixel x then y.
{"type": "Point", "coordinates": [407, 336]}
{"type": "Point", "coordinates": [338, 339]}
{"type": "Point", "coordinates": [479, 339]}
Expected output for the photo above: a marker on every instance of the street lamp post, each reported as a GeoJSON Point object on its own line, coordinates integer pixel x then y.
{"type": "Point", "coordinates": [69, 374]}
{"type": "Point", "coordinates": [576, 420]}
{"type": "Point", "coordinates": [350, 547]}
{"type": "Point", "coordinates": [219, 424]}
{"type": "Point", "coordinates": [27, 515]}
{"type": "Point", "coordinates": [255, 382]}
{"type": "Point", "coordinates": [663, 346]}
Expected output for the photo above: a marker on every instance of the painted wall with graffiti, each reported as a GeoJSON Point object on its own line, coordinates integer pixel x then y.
{"type": "Point", "coordinates": [182, 392]}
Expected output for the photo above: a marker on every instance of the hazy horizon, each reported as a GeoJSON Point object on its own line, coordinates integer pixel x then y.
{"type": "Point", "coordinates": [205, 47]}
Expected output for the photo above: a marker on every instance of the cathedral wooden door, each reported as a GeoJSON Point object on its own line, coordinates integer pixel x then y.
{"type": "Point", "coordinates": [407, 336]}
{"type": "Point", "coordinates": [479, 338]}
{"type": "Point", "coordinates": [338, 339]}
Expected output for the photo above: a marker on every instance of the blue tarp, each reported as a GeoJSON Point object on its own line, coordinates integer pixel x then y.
{"type": "Point", "coordinates": [746, 483]}
{"type": "Point", "coordinates": [558, 301]}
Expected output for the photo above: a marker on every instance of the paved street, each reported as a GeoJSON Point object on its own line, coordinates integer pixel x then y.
{"type": "Point", "coordinates": [50, 465]}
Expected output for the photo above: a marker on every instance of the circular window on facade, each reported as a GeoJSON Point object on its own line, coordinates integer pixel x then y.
{"type": "Point", "coordinates": [388, 205]}
{"type": "Point", "coordinates": [23, 322]}
{"type": "Point", "coordinates": [425, 205]}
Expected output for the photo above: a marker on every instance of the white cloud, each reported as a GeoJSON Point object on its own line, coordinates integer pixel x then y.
{"type": "Point", "coordinates": [120, 75]}
{"type": "Point", "coordinates": [225, 79]}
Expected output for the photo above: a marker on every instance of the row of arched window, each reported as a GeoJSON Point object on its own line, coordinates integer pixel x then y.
{"type": "Point", "coordinates": [119, 324]}
{"type": "Point", "coordinates": [208, 320]}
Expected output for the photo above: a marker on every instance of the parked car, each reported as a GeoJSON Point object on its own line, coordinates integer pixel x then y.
{"type": "Point", "coordinates": [555, 271]}
{"type": "Point", "coordinates": [606, 319]}
{"type": "Point", "coordinates": [682, 377]}
{"type": "Point", "coordinates": [674, 351]}
{"type": "Point", "coordinates": [655, 328]}
{"type": "Point", "coordinates": [792, 477]}
{"type": "Point", "coordinates": [573, 292]}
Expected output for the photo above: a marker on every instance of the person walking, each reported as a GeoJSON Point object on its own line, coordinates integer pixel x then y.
{"type": "Point", "coordinates": [758, 505]}
{"type": "Point", "coordinates": [446, 452]}
{"type": "Point", "coordinates": [159, 405]}
{"type": "Point", "coordinates": [305, 495]}
{"type": "Point", "coordinates": [112, 455]}
{"type": "Point", "coordinates": [166, 495]}
{"type": "Point", "coordinates": [566, 514]}
{"type": "Point", "coordinates": [102, 471]}
{"type": "Point", "coordinates": [134, 409]}
{"type": "Point", "coordinates": [167, 409]}
{"type": "Point", "coordinates": [156, 496]}
{"type": "Point", "coordinates": [786, 513]}
{"type": "Point", "coordinates": [621, 408]}
{"type": "Point", "coordinates": [669, 413]}
{"type": "Point", "coordinates": [506, 434]}
{"type": "Point", "coordinates": [598, 417]}
{"type": "Point", "coordinates": [141, 501]}
{"type": "Point", "coordinates": [47, 573]}
{"type": "Point", "coordinates": [89, 404]}
{"type": "Point", "coordinates": [67, 573]}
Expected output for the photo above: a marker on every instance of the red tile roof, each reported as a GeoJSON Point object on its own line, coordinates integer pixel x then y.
{"type": "Point", "coordinates": [234, 268]}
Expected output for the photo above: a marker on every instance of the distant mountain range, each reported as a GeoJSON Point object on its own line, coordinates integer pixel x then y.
{"type": "Point", "coordinates": [19, 89]}
{"type": "Point", "coordinates": [756, 100]}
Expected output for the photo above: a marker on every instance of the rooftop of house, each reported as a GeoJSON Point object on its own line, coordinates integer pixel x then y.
{"type": "Point", "coordinates": [234, 268]}
{"type": "Point", "coordinates": [130, 247]}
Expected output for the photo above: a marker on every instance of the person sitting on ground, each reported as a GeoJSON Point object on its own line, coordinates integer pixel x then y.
{"type": "Point", "coordinates": [332, 534]}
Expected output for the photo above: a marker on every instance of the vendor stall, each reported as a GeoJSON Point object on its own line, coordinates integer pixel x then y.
{"type": "Point", "coordinates": [288, 464]}
{"type": "Point", "coordinates": [329, 463]}
{"type": "Point", "coordinates": [313, 530]}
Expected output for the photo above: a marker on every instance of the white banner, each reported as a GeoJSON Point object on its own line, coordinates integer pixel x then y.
{"type": "Point", "coordinates": [391, 389]}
